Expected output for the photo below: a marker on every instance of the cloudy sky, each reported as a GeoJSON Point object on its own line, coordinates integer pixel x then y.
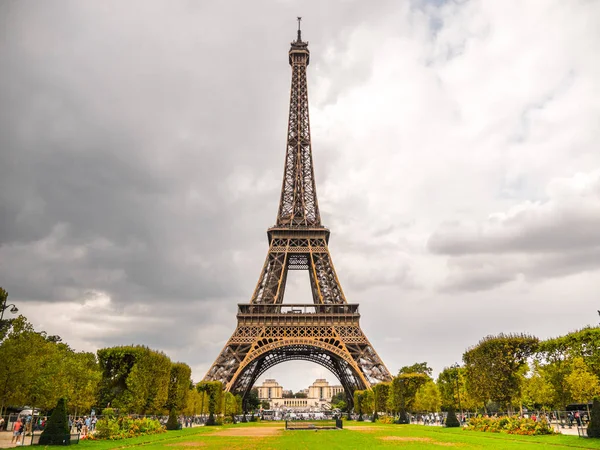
{"type": "Point", "coordinates": [456, 152]}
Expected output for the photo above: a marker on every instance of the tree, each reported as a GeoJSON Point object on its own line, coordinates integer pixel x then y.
{"type": "Point", "coordinates": [339, 401]}
{"type": "Point", "coordinates": [252, 400]}
{"type": "Point", "coordinates": [56, 431]}
{"type": "Point", "coordinates": [232, 405]}
{"type": "Point", "coordinates": [493, 367]}
{"type": "Point", "coordinates": [39, 369]}
{"type": "Point", "coordinates": [195, 403]}
{"type": "Point", "coordinates": [537, 392]}
{"type": "Point", "coordinates": [179, 387]}
{"type": "Point", "coordinates": [358, 397]}
{"type": "Point", "coordinates": [554, 364]}
{"type": "Point", "coordinates": [368, 402]}
{"type": "Point", "coordinates": [83, 375]}
{"type": "Point", "coordinates": [582, 383]}
{"type": "Point", "coordinates": [265, 404]}
{"type": "Point", "coordinates": [428, 398]}
{"type": "Point", "coordinates": [135, 379]}
{"type": "Point", "coordinates": [214, 391]}
{"type": "Point", "coordinates": [593, 429]}
{"type": "Point", "coordinates": [381, 392]}
{"type": "Point", "coordinates": [421, 368]}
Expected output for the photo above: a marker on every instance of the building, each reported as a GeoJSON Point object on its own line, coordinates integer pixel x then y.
{"type": "Point", "coordinates": [320, 389]}
{"type": "Point", "coordinates": [270, 389]}
{"type": "Point", "coordinates": [318, 396]}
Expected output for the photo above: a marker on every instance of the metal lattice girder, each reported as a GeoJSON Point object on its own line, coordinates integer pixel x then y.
{"type": "Point", "coordinates": [327, 331]}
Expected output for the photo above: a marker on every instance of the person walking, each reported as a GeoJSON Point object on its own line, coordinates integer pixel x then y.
{"type": "Point", "coordinates": [17, 429]}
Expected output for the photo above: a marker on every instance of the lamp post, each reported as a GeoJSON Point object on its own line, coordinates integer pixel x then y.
{"type": "Point", "coordinates": [455, 366]}
{"type": "Point", "coordinates": [4, 306]}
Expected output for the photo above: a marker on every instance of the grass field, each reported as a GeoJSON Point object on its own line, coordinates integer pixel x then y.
{"type": "Point", "coordinates": [355, 435]}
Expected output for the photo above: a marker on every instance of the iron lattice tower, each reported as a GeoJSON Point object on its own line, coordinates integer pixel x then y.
{"type": "Point", "coordinates": [326, 331]}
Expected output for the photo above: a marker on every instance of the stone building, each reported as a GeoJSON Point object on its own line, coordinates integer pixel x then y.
{"type": "Point", "coordinates": [318, 398]}
{"type": "Point", "coordinates": [270, 389]}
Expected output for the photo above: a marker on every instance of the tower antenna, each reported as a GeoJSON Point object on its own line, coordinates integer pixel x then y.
{"type": "Point", "coordinates": [299, 32]}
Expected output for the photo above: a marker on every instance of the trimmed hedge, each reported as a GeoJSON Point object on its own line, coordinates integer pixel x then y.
{"type": "Point", "coordinates": [57, 430]}
{"type": "Point", "coordinates": [451, 420]}
{"type": "Point", "coordinates": [593, 429]}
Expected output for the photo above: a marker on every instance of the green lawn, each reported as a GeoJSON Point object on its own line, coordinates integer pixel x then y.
{"type": "Point", "coordinates": [356, 435]}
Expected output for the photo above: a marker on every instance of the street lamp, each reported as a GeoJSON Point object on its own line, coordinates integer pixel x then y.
{"type": "Point", "coordinates": [4, 307]}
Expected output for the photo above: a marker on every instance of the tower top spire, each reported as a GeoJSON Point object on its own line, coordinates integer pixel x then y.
{"type": "Point", "coordinates": [299, 31]}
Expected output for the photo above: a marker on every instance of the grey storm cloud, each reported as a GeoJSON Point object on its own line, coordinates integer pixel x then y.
{"type": "Point", "coordinates": [142, 147]}
{"type": "Point", "coordinates": [557, 237]}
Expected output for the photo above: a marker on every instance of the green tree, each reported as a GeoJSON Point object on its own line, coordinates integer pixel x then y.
{"type": "Point", "coordinates": [179, 387]}
{"type": "Point", "coordinates": [135, 379]}
{"type": "Point", "coordinates": [56, 431]}
{"type": "Point", "coordinates": [214, 391]}
{"type": "Point", "coordinates": [582, 383]}
{"type": "Point", "coordinates": [358, 404]}
{"type": "Point", "coordinates": [493, 367]}
{"type": "Point", "coordinates": [35, 369]}
{"type": "Point", "coordinates": [232, 405]}
{"type": "Point", "coordinates": [428, 398]}
{"type": "Point", "coordinates": [381, 392]}
{"type": "Point", "coordinates": [554, 364]}
{"type": "Point", "coordinates": [368, 402]}
{"type": "Point", "coordinates": [537, 392]}
{"type": "Point", "coordinates": [252, 400]}
{"type": "Point", "coordinates": [421, 368]}
{"type": "Point", "coordinates": [339, 401]}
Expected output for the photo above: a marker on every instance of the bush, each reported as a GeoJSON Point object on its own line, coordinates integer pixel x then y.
{"type": "Point", "coordinates": [126, 427]}
{"type": "Point", "coordinates": [510, 425]}
{"type": "Point", "coordinates": [593, 429]}
{"type": "Point", "coordinates": [451, 420]}
{"type": "Point", "coordinates": [108, 412]}
{"type": "Point", "coordinates": [172, 422]}
{"type": "Point", "coordinates": [211, 420]}
{"type": "Point", "coordinates": [385, 419]}
{"type": "Point", "coordinates": [57, 430]}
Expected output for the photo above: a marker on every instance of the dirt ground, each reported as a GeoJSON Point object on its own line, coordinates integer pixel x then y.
{"type": "Point", "coordinates": [248, 432]}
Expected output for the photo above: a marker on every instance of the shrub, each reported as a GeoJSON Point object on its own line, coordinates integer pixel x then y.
{"type": "Point", "coordinates": [385, 419]}
{"type": "Point", "coordinates": [57, 431]}
{"type": "Point", "coordinates": [593, 429]}
{"type": "Point", "coordinates": [451, 420]}
{"type": "Point", "coordinates": [126, 427]}
{"type": "Point", "coordinates": [510, 425]}
{"type": "Point", "coordinates": [211, 420]}
{"type": "Point", "coordinates": [172, 422]}
{"type": "Point", "coordinates": [108, 412]}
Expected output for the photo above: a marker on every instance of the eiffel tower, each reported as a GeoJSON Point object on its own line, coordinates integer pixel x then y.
{"type": "Point", "coordinates": [326, 331]}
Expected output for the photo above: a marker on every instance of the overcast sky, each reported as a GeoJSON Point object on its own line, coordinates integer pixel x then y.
{"type": "Point", "coordinates": [456, 149]}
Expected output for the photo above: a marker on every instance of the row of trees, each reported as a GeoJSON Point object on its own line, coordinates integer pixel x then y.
{"type": "Point", "coordinates": [38, 370]}
{"type": "Point", "coordinates": [504, 372]}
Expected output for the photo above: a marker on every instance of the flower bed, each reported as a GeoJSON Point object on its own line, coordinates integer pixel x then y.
{"type": "Point", "coordinates": [510, 425]}
{"type": "Point", "coordinates": [114, 428]}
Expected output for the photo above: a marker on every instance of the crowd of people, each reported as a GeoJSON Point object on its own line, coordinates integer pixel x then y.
{"type": "Point", "coordinates": [25, 426]}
